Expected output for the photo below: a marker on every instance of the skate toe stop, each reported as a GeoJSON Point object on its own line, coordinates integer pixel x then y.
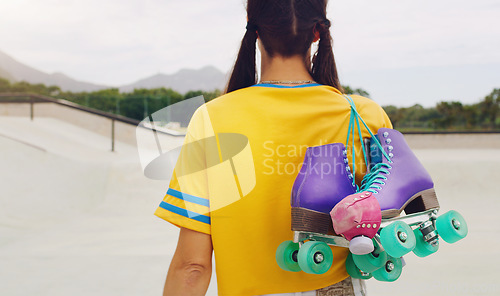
{"type": "Point", "coordinates": [361, 245]}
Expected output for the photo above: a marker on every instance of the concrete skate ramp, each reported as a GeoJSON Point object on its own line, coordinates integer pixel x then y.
{"type": "Point", "coordinates": [77, 219]}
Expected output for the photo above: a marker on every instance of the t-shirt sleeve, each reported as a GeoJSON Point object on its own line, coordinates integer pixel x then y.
{"type": "Point", "coordinates": [186, 203]}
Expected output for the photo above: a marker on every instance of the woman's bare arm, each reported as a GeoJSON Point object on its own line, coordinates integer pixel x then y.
{"type": "Point", "coordinates": [191, 267]}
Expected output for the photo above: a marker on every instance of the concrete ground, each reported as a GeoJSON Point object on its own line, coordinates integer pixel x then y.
{"type": "Point", "coordinates": [76, 219]}
{"type": "Point", "coordinates": [465, 181]}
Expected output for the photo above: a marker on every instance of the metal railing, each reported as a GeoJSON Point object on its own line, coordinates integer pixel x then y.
{"type": "Point", "coordinates": [33, 99]}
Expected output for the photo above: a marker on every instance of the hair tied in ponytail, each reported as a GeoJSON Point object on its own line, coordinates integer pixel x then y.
{"type": "Point", "coordinates": [251, 27]}
{"type": "Point", "coordinates": [325, 23]}
{"type": "Point", "coordinates": [285, 28]}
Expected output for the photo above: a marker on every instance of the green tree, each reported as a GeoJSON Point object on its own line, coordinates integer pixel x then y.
{"type": "Point", "coordinates": [451, 115]}
{"type": "Point", "coordinates": [358, 91]}
{"type": "Point", "coordinates": [394, 114]}
{"type": "Point", "coordinates": [489, 109]}
{"type": "Point", "coordinates": [207, 95]}
{"type": "Point", "coordinates": [4, 85]}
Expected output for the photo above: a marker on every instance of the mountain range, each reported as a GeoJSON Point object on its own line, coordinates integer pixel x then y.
{"type": "Point", "coordinates": [207, 78]}
{"type": "Point", "coordinates": [425, 85]}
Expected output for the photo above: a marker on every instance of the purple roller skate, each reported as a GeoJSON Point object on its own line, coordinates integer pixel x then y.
{"type": "Point", "coordinates": [324, 179]}
{"type": "Point", "coordinates": [397, 178]}
{"type": "Point", "coordinates": [398, 181]}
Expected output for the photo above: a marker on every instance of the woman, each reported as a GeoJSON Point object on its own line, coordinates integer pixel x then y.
{"type": "Point", "coordinates": [230, 192]}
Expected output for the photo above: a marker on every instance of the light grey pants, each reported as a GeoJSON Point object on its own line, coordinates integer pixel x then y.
{"type": "Point", "coordinates": [347, 287]}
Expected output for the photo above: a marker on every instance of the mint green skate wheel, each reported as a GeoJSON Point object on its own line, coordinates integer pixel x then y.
{"type": "Point", "coordinates": [315, 257]}
{"type": "Point", "coordinates": [397, 239]}
{"type": "Point", "coordinates": [423, 248]}
{"type": "Point", "coordinates": [390, 272]}
{"type": "Point", "coordinates": [371, 261]}
{"type": "Point", "coordinates": [451, 226]}
{"type": "Point", "coordinates": [286, 256]}
{"type": "Point", "coordinates": [354, 271]}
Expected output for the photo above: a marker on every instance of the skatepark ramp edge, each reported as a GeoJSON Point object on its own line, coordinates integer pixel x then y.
{"type": "Point", "coordinates": [116, 127]}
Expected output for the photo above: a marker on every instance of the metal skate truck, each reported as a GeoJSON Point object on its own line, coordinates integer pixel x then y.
{"type": "Point", "coordinates": [329, 209]}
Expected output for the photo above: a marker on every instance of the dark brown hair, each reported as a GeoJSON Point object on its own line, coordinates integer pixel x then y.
{"type": "Point", "coordinates": [285, 28]}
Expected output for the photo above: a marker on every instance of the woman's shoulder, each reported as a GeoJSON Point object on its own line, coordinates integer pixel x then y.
{"type": "Point", "coordinates": [371, 111]}
{"type": "Point", "coordinates": [366, 105]}
{"type": "Point", "coordinates": [365, 102]}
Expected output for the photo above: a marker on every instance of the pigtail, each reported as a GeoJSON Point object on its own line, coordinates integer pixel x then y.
{"type": "Point", "coordinates": [244, 72]}
{"type": "Point", "coordinates": [324, 69]}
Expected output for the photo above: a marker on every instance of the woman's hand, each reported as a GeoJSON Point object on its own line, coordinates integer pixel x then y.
{"type": "Point", "coordinates": [191, 266]}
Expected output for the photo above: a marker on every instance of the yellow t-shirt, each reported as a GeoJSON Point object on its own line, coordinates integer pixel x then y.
{"type": "Point", "coordinates": [234, 176]}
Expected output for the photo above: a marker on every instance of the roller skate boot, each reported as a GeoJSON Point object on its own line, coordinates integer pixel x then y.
{"type": "Point", "coordinates": [400, 183]}
{"type": "Point", "coordinates": [397, 178]}
{"type": "Point", "coordinates": [325, 178]}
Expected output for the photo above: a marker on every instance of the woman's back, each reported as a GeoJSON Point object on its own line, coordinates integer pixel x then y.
{"type": "Point", "coordinates": [247, 187]}
{"type": "Point", "coordinates": [231, 187]}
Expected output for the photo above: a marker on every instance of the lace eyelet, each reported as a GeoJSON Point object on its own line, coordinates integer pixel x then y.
{"type": "Point", "coordinates": [388, 141]}
{"type": "Point", "coordinates": [390, 148]}
{"type": "Point", "coordinates": [346, 160]}
{"type": "Point", "coordinates": [386, 134]}
{"type": "Point", "coordinates": [391, 155]}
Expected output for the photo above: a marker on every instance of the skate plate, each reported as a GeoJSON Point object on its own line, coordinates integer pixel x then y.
{"type": "Point", "coordinates": [334, 240]}
{"type": "Point", "coordinates": [420, 227]}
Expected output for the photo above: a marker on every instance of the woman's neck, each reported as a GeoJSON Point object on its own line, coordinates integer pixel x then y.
{"type": "Point", "coordinates": [278, 68]}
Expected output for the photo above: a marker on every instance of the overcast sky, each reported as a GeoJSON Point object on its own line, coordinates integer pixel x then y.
{"type": "Point", "coordinates": [450, 48]}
